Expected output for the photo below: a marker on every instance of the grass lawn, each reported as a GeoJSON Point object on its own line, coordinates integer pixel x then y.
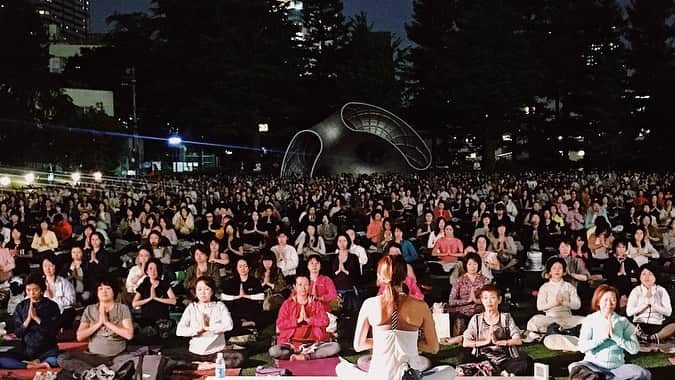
{"type": "Point", "coordinates": [556, 360]}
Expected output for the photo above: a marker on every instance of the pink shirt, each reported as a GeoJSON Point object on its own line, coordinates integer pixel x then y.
{"type": "Point", "coordinates": [324, 289]}
{"type": "Point", "coordinates": [449, 245]}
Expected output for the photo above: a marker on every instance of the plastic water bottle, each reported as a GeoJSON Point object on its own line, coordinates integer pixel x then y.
{"type": "Point", "coordinates": [220, 366]}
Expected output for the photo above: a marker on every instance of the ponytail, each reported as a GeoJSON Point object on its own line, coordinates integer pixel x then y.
{"type": "Point", "coordinates": [391, 272]}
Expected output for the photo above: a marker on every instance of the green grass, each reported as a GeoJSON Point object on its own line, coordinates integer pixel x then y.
{"type": "Point", "coordinates": [556, 360]}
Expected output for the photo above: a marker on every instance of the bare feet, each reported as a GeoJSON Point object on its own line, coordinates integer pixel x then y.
{"type": "Point", "coordinates": [298, 357]}
{"type": "Point", "coordinates": [37, 364]}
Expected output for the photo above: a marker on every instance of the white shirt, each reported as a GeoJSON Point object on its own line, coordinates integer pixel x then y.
{"type": "Point", "coordinates": [133, 273]}
{"type": "Point", "coordinates": [287, 260]}
{"type": "Point", "coordinates": [639, 307]}
{"type": "Point", "coordinates": [64, 293]}
{"type": "Point", "coordinates": [547, 299]}
{"type": "Point", "coordinates": [193, 321]}
{"type": "Point", "coordinates": [641, 259]}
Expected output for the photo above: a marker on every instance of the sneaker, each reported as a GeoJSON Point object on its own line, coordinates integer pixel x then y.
{"type": "Point", "coordinates": [654, 338]}
{"type": "Point", "coordinates": [642, 337]}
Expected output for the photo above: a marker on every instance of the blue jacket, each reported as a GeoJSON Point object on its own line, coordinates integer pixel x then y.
{"type": "Point", "coordinates": [408, 251]}
{"type": "Point", "coordinates": [37, 339]}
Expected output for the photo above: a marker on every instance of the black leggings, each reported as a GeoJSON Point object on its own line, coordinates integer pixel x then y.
{"type": "Point", "coordinates": [520, 366]}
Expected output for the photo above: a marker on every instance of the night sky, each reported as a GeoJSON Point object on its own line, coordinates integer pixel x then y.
{"type": "Point", "coordinates": [386, 15]}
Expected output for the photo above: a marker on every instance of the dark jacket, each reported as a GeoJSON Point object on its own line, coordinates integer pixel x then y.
{"type": "Point", "coordinates": [37, 339]}
{"type": "Point", "coordinates": [624, 283]}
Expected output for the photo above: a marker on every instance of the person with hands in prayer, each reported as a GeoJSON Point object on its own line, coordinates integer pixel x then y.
{"type": "Point", "coordinates": [493, 336]}
{"type": "Point", "coordinates": [302, 324]}
{"type": "Point", "coordinates": [36, 320]}
{"type": "Point", "coordinates": [604, 337]}
{"type": "Point", "coordinates": [107, 326]}
{"type": "Point", "coordinates": [205, 322]}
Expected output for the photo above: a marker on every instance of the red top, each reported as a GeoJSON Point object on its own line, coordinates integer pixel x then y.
{"type": "Point", "coordinates": [323, 289]}
{"type": "Point", "coordinates": [374, 230]}
{"type": "Point", "coordinates": [311, 331]}
{"type": "Point", "coordinates": [445, 214]}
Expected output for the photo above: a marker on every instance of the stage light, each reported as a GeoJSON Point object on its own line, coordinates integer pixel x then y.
{"type": "Point", "coordinates": [29, 178]}
{"type": "Point", "coordinates": [175, 140]}
{"type": "Point", "coordinates": [581, 153]}
{"type": "Point", "coordinates": [76, 177]}
{"type": "Point", "coordinates": [98, 176]}
{"type": "Point", "coordinates": [5, 181]}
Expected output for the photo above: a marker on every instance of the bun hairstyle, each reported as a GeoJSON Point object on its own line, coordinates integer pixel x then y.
{"type": "Point", "coordinates": [391, 272]}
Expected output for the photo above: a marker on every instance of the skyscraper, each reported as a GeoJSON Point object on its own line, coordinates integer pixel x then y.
{"type": "Point", "coordinates": [66, 19]}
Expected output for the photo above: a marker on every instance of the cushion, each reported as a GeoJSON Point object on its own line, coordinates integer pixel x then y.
{"type": "Point", "coordinates": [315, 367]}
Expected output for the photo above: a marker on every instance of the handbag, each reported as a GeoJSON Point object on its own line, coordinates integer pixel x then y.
{"type": "Point", "coordinates": [411, 374]}
{"type": "Point", "coordinates": [514, 352]}
{"type": "Point", "coordinates": [482, 368]}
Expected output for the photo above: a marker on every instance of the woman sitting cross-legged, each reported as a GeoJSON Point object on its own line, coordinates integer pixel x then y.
{"type": "Point", "coordinates": [154, 296]}
{"type": "Point", "coordinates": [107, 327]}
{"type": "Point", "coordinates": [396, 321]}
{"type": "Point", "coordinates": [35, 319]}
{"type": "Point", "coordinates": [244, 295]}
{"type": "Point", "coordinates": [464, 301]}
{"type": "Point", "coordinates": [649, 306]}
{"type": "Point", "coordinates": [493, 338]}
{"type": "Point", "coordinates": [557, 298]}
{"type": "Point", "coordinates": [604, 337]}
{"type": "Point", "coordinates": [205, 322]}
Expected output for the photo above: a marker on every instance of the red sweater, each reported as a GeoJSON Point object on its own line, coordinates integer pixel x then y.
{"type": "Point", "coordinates": [314, 330]}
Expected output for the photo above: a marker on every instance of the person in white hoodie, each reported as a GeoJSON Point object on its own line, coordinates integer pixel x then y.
{"type": "Point", "coordinates": [205, 322]}
{"type": "Point", "coordinates": [556, 298]}
{"type": "Point", "coordinates": [649, 307]}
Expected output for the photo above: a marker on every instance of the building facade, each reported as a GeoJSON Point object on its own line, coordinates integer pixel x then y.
{"type": "Point", "coordinates": [66, 20]}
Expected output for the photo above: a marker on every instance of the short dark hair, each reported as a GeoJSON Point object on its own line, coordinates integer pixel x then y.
{"type": "Point", "coordinates": [472, 256]}
{"type": "Point", "coordinates": [105, 281]}
{"type": "Point", "coordinates": [199, 247]}
{"type": "Point", "coordinates": [157, 263]}
{"type": "Point", "coordinates": [491, 289]}
{"type": "Point", "coordinates": [314, 257]}
{"type": "Point", "coordinates": [300, 275]}
{"type": "Point", "coordinates": [211, 283]}
{"type": "Point", "coordinates": [553, 260]}
{"type": "Point", "coordinates": [36, 279]}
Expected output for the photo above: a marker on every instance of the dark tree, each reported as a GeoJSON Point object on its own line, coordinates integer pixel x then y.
{"type": "Point", "coordinates": [427, 81]}
{"type": "Point", "coordinates": [651, 60]}
{"type": "Point", "coordinates": [582, 94]}
{"type": "Point", "coordinates": [324, 36]}
{"type": "Point", "coordinates": [25, 83]}
{"type": "Point", "coordinates": [480, 68]}
{"type": "Point", "coordinates": [369, 66]}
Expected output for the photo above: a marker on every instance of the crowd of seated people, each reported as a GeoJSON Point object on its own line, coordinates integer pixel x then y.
{"type": "Point", "coordinates": [254, 238]}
